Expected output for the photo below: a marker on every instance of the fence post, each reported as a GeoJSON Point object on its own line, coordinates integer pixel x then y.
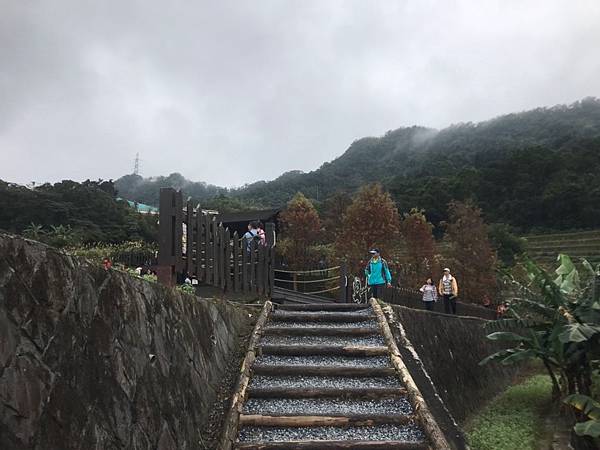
{"type": "Point", "coordinates": [271, 270]}
{"type": "Point", "coordinates": [227, 260]}
{"type": "Point", "coordinates": [245, 270]}
{"type": "Point", "coordinates": [253, 266]}
{"type": "Point", "coordinates": [270, 234]}
{"type": "Point", "coordinates": [200, 273]}
{"type": "Point", "coordinates": [169, 236]}
{"type": "Point", "coordinates": [189, 238]}
{"type": "Point", "coordinates": [343, 284]}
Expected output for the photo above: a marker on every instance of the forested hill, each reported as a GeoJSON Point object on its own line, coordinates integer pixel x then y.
{"type": "Point", "coordinates": [534, 169]}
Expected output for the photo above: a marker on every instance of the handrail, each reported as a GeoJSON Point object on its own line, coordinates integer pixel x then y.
{"type": "Point", "coordinates": [320, 292]}
{"type": "Point", "coordinates": [308, 271]}
{"type": "Point", "coordinates": [322, 280]}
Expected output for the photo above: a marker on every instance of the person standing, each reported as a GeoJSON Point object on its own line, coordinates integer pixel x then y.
{"type": "Point", "coordinates": [448, 289]}
{"type": "Point", "coordinates": [251, 235]}
{"type": "Point", "coordinates": [429, 294]}
{"type": "Point", "coordinates": [377, 273]}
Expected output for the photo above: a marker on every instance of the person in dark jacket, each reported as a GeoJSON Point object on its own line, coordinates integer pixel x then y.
{"type": "Point", "coordinates": [378, 274]}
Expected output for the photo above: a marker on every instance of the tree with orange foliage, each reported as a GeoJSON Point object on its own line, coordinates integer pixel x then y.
{"type": "Point", "coordinates": [474, 257]}
{"type": "Point", "coordinates": [418, 260]}
{"type": "Point", "coordinates": [301, 227]}
{"type": "Point", "coordinates": [370, 221]}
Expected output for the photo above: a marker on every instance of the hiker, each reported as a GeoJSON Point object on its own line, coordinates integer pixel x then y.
{"type": "Point", "coordinates": [448, 289]}
{"type": "Point", "coordinates": [107, 263]}
{"type": "Point", "coordinates": [260, 230]}
{"type": "Point", "coordinates": [429, 294]}
{"type": "Point", "coordinates": [377, 273]}
{"type": "Point", "coordinates": [251, 235]}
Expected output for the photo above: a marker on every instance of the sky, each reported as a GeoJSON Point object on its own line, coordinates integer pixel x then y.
{"type": "Point", "coordinates": [234, 92]}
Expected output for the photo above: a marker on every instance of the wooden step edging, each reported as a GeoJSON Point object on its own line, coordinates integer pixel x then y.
{"type": "Point", "coordinates": [323, 307]}
{"type": "Point", "coordinates": [230, 428]}
{"type": "Point", "coordinates": [332, 445]}
{"type": "Point", "coordinates": [329, 371]}
{"type": "Point", "coordinates": [303, 392]}
{"type": "Point", "coordinates": [313, 316]}
{"type": "Point", "coordinates": [426, 419]}
{"type": "Point", "coordinates": [321, 331]}
{"type": "Point", "coordinates": [303, 350]}
{"type": "Point", "coordinates": [298, 421]}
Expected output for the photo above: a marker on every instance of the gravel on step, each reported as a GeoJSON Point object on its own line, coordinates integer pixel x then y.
{"type": "Point", "coordinates": [406, 433]}
{"type": "Point", "coordinates": [327, 406]}
{"type": "Point", "coordinates": [362, 312]}
{"type": "Point", "coordinates": [363, 324]}
{"type": "Point", "coordinates": [299, 381]}
{"type": "Point", "coordinates": [366, 361]}
{"type": "Point", "coordinates": [373, 341]}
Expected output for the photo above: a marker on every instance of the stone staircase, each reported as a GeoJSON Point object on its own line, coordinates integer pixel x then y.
{"type": "Point", "coordinates": [325, 376]}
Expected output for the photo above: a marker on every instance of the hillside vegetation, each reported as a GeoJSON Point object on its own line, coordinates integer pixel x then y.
{"type": "Point", "coordinates": [536, 170]}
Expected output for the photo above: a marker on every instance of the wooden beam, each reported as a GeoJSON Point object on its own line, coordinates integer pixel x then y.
{"type": "Point", "coordinates": [230, 426]}
{"type": "Point", "coordinates": [354, 420]}
{"type": "Point", "coordinates": [301, 350]}
{"type": "Point", "coordinates": [322, 331]}
{"type": "Point", "coordinates": [297, 316]}
{"type": "Point", "coordinates": [330, 371]}
{"type": "Point", "coordinates": [323, 307]}
{"type": "Point", "coordinates": [303, 392]}
{"type": "Point", "coordinates": [428, 422]}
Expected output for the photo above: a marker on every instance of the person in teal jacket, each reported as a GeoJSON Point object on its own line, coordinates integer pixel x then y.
{"type": "Point", "coordinates": [378, 274]}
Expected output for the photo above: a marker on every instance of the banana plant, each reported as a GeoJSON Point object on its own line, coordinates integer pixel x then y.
{"type": "Point", "coordinates": [553, 319]}
{"type": "Point", "coordinates": [591, 409]}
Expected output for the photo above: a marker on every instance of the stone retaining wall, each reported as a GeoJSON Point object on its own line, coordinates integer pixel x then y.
{"type": "Point", "coordinates": [95, 359]}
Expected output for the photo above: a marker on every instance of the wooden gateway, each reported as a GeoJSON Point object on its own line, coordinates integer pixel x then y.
{"type": "Point", "coordinates": [194, 243]}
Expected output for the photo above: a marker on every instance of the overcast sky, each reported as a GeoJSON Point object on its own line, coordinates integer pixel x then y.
{"type": "Point", "coordinates": [233, 92]}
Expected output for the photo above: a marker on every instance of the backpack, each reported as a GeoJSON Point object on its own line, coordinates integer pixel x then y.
{"type": "Point", "coordinates": [384, 265]}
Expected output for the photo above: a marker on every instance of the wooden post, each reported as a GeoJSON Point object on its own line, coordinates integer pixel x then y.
{"type": "Point", "coordinates": [227, 260]}
{"type": "Point", "coordinates": [271, 270]}
{"type": "Point", "coordinates": [199, 244]}
{"type": "Point", "coordinates": [253, 266]}
{"type": "Point", "coordinates": [245, 267]}
{"type": "Point", "coordinates": [260, 256]}
{"type": "Point", "coordinates": [343, 284]}
{"type": "Point", "coordinates": [189, 238]}
{"type": "Point", "coordinates": [216, 258]}
{"type": "Point", "coordinates": [170, 230]}
{"type": "Point", "coordinates": [208, 249]}
{"type": "Point", "coordinates": [236, 262]}
{"type": "Point", "coordinates": [270, 234]}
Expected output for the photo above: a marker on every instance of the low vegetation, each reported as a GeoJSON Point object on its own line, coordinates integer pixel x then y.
{"type": "Point", "coordinates": [515, 420]}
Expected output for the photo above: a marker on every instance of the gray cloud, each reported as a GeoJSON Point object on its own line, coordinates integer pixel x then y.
{"type": "Point", "coordinates": [232, 92]}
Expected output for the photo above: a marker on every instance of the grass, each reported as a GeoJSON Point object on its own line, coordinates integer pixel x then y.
{"type": "Point", "coordinates": [515, 420]}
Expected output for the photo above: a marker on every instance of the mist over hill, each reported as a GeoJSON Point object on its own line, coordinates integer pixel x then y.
{"type": "Point", "coordinates": [533, 169]}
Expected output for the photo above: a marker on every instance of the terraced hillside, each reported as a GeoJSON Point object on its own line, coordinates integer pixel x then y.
{"type": "Point", "coordinates": [544, 248]}
{"type": "Point", "coordinates": [327, 377]}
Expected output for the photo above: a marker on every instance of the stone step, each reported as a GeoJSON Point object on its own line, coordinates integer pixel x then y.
{"type": "Point", "coordinates": [301, 420]}
{"type": "Point", "coordinates": [304, 392]}
{"type": "Point", "coordinates": [371, 340]}
{"type": "Point", "coordinates": [328, 406]}
{"type": "Point", "coordinates": [324, 360]}
{"type": "Point", "coordinates": [398, 434]}
{"type": "Point", "coordinates": [332, 445]}
{"type": "Point", "coordinates": [327, 330]}
{"type": "Point", "coordinates": [331, 371]}
{"type": "Point", "coordinates": [300, 350]}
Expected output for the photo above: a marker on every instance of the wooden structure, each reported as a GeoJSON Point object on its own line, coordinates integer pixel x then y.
{"type": "Point", "coordinates": [348, 329]}
{"type": "Point", "coordinates": [193, 242]}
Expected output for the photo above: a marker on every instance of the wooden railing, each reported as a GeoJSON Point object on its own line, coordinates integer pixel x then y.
{"type": "Point", "coordinates": [194, 243]}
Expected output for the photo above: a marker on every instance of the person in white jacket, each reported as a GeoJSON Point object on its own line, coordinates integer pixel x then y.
{"type": "Point", "coordinates": [429, 294]}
